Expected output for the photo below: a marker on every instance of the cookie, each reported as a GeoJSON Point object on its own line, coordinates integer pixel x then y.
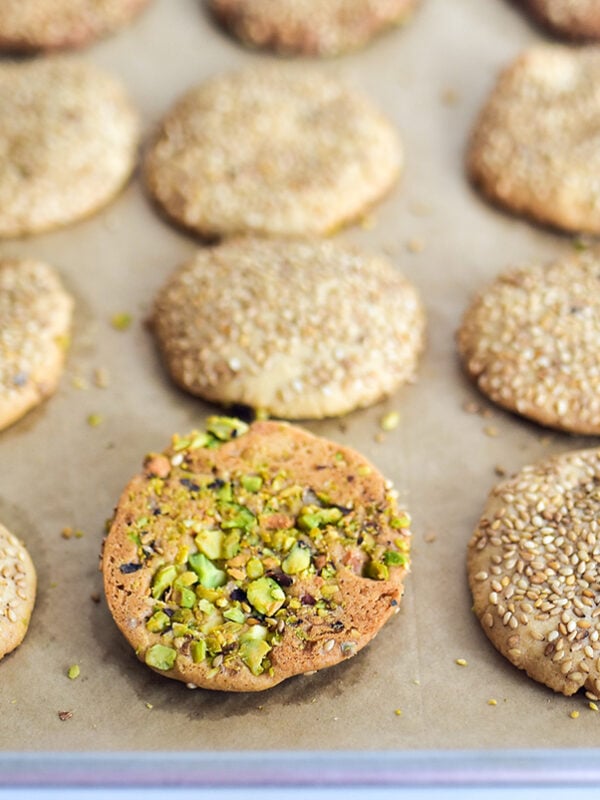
{"type": "Point", "coordinates": [68, 143]}
{"type": "Point", "coordinates": [313, 155]}
{"type": "Point", "coordinates": [310, 27]}
{"type": "Point", "coordinates": [29, 25]}
{"type": "Point", "coordinates": [269, 323]}
{"type": "Point", "coordinates": [17, 591]}
{"type": "Point", "coordinates": [530, 340]}
{"type": "Point", "coordinates": [534, 147]}
{"type": "Point", "coordinates": [242, 556]}
{"type": "Point", "coordinates": [533, 566]}
{"type": "Point", "coordinates": [36, 318]}
{"type": "Point", "coordinates": [577, 20]}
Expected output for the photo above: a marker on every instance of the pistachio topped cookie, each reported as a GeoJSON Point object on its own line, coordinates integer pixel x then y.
{"type": "Point", "coordinates": [534, 149]}
{"type": "Point", "coordinates": [17, 591]}
{"type": "Point", "coordinates": [68, 142]}
{"type": "Point", "coordinates": [35, 314]}
{"type": "Point", "coordinates": [310, 27]}
{"type": "Point", "coordinates": [533, 566]}
{"type": "Point", "coordinates": [27, 25]}
{"type": "Point", "coordinates": [299, 329]}
{"type": "Point", "coordinates": [244, 555]}
{"type": "Point", "coordinates": [274, 150]}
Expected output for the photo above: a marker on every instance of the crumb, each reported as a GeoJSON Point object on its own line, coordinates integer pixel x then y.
{"type": "Point", "coordinates": [389, 421]}
{"type": "Point", "coordinates": [121, 321]}
{"type": "Point", "coordinates": [94, 420]}
{"type": "Point", "coordinates": [471, 407]}
{"type": "Point", "coordinates": [500, 471]}
{"type": "Point", "coordinates": [73, 672]}
{"type": "Point", "coordinates": [489, 430]}
{"type": "Point", "coordinates": [492, 702]}
{"type": "Point", "coordinates": [66, 533]}
{"type": "Point", "coordinates": [64, 715]}
{"type": "Point", "coordinates": [462, 662]}
{"type": "Point", "coordinates": [95, 597]}
{"type": "Point", "coordinates": [415, 245]}
{"type": "Point", "coordinates": [101, 377]}
{"type": "Point", "coordinates": [379, 437]}
{"type": "Point", "coordinates": [429, 538]}
{"type": "Point", "coordinates": [79, 382]}
{"type": "Point", "coordinates": [574, 714]}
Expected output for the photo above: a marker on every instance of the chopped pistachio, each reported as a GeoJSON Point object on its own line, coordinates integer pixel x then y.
{"type": "Point", "coordinates": [93, 420]}
{"type": "Point", "coordinates": [160, 657]}
{"type": "Point", "coordinates": [158, 622]}
{"type": "Point", "coordinates": [210, 542]}
{"type": "Point", "coordinates": [377, 570]}
{"type": "Point", "coordinates": [297, 560]}
{"type": "Point", "coordinates": [234, 615]}
{"type": "Point", "coordinates": [392, 558]}
{"type": "Point", "coordinates": [231, 544]}
{"type": "Point", "coordinates": [208, 574]}
{"type": "Point", "coordinates": [251, 483]}
{"type": "Point", "coordinates": [401, 522]}
{"type": "Point", "coordinates": [254, 568]}
{"type": "Point", "coordinates": [198, 650]}
{"type": "Point", "coordinates": [389, 421]}
{"type": "Point", "coordinates": [313, 517]}
{"type": "Point", "coordinates": [163, 579]}
{"type": "Point", "coordinates": [252, 653]}
{"type": "Point", "coordinates": [265, 595]}
{"type": "Point", "coordinates": [236, 516]}
{"type": "Point", "coordinates": [226, 428]}
{"type": "Point", "coordinates": [73, 672]}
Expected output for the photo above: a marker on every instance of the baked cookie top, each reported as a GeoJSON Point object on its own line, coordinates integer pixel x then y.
{"type": "Point", "coordinates": [68, 143]}
{"type": "Point", "coordinates": [27, 25]}
{"type": "Point", "coordinates": [310, 27]}
{"type": "Point", "coordinates": [531, 341]}
{"type": "Point", "coordinates": [299, 329]}
{"type": "Point", "coordinates": [578, 19]}
{"type": "Point", "coordinates": [274, 150]}
{"type": "Point", "coordinates": [243, 556]}
{"type": "Point", "coordinates": [533, 566]}
{"type": "Point", "coordinates": [534, 148]}
{"type": "Point", "coordinates": [17, 591]}
{"type": "Point", "coordinates": [36, 318]}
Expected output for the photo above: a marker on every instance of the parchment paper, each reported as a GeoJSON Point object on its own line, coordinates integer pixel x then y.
{"type": "Point", "coordinates": [57, 471]}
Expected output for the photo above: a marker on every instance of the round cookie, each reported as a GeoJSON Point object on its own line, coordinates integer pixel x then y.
{"type": "Point", "coordinates": [68, 143]}
{"type": "Point", "coordinates": [578, 20]}
{"type": "Point", "coordinates": [36, 318]}
{"type": "Point", "coordinates": [29, 25]}
{"type": "Point", "coordinates": [242, 556]}
{"type": "Point", "coordinates": [298, 329]}
{"type": "Point", "coordinates": [530, 340]}
{"type": "Point", "coordinates": [17, 591]}
{"type": "Point", "coordinates": [310, 27]}
{"type": "Point", "coordinates": [533, 566]}
{"type": "Point", "coordinates": [534, 149]}
{"type": "Point", "coordinates": [313, 154]}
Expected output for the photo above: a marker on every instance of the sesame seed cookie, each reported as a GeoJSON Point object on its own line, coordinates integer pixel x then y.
{"type": "Point", "coordinates": [244, 555]}
{"type": "Point", "coordinates": [271, 150]}
{"type": "Point", "coordinates": [578, 19]}
{"type": "Point", "coordinates": [310, 27]}
{"type": "Point", "coordinates": [17, 591]}
{"type": "Point", "coordinates": [533, 566]}
{"type": "Point", "coordinates": [531, 339]}
{"type": "Point", "coordinates": [29, 25]}
{"type": "Point", "coordinates": [68, 143]}
{"type": "Point", "coordinates": [269, 324]}
{"type": "Point", "coordinates": [36, 318]}
{"type": "Point", "coordinates": [534, 149]}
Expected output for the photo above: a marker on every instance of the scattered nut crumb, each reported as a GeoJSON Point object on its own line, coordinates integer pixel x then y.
{"type": "Point", "coordinates": [462, 662]}
{"type": "Point", "coordinates": [73, 672]}
{"type": "Point", "coordinates": [398, 712]}
{"type": "Point", "coordinates": [95, 597]}
{"type": "Point", "coordinates": [471, 407]}
{"type": "Point", "coordinates": [593, 706]}
{"type": "Point", "coordinates": [415, 245]}
{"type": "Point", "coordinates": [64, 715]}
{"type": "Point", "coordinates": [491, 431]}
{"type": "Point", "coordinates": [121, 321]}
{"type": "Point", "coordinates": [79, 382]}
{"type": "Point", "coordinates": [94, 420]}
{"type": "Point", "coordinates": [389, 421]}
{"type": "Point", "coordinates": [429, 538]}
{"type": "Point", "coordinates": [500, 471]}
{"type": "Point", "coordinates": [149, 705]}
{"type": "Point", "coordinates": [66, 533]}
{"type": "Point", "coordinates": [574, 714]}
{"type": "Point", "coordinates": [379, 437]}
{"type": "Point", "coordinates": [101, 377]}
{"type": "Point", "coordinates": [492, 702]}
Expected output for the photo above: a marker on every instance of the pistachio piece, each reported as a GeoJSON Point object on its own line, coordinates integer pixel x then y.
{"type": "Point", "coordinates": [392, 558]}
{"type": "Point", "coordinates": [231, 544]}
{"type": "Point", "coordinates": [235, 515]}
{"type": "Point", "coordinates": [377, 570]}
{"type": "Point", "coordinates": [234, 615]}
{"type": "Point", "coordinates": [163, 579]}
{"type": "Point", "coordinates": [254, 568]}
{"type": "Point", "coordinates": [297, 560]}
{"type": "Point", "coordinates": [158, 622]}
{"type": "Point", "coordinates": [209, 576]}
{"type": "Point", "coordinates": [160, 657]}
{"type": "Point", "coordinates": [251, 483]}
{"type": "Point", "coordinates": [265, 595]}
{"type": "Point", "coordinates": [226, 428]}
{"type": "Point", "coordinates": [255, 632]}
{"type": "Point", "coordinates": [252, 653]}
{"type": "Point", "coordinates": [198, 650]}
{"type": "Point", "coordinates": [314, 517]}
{"type": "Point", "coordinates": [210, 542]}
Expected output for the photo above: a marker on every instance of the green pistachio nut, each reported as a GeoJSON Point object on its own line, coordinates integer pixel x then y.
{"type": "Point", "coordinates": [210, 542]}
{"type": "Point", "coordinates": [163, 579]}
{"type": "Point", "coordinates": [265, 595]}
{"type": "Point", "coordinates": [377, 570]}
{"type": "Point", "coordinates": [198, 650]}
{"type": "Point", "coordinates": [251, 483]}
{"type": "Point", "coordinates": [226, 428]}
{"type": "Point", "coordinates": [394, 559]}
{"type": "Point", "coordinates": [231, 544]}
{"type": "Point", "coordinates": [235, 614]}
{"type": "Point", "coordinates": [314, 517]}
{"type": "Point", "coordinates": [255, 632]}
{"type": "Point", "coordinates": [234, 515]}
{"type": "Point", "coordinates": [254, 568]}
{"type": "Point", "coordinates": [160, 657]}
{"type": "Point", "coordinates": [158, 622]}
{"type": "Point", "coordinates": [208, 574]}
{"type": "Point", "coordinates": [252, 653]}
{"type": "Point", "coordinates": [297, 560]}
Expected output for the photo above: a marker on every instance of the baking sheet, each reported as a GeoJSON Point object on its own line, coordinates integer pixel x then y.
{"type": "Point", "coordinates": [431, 78]}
